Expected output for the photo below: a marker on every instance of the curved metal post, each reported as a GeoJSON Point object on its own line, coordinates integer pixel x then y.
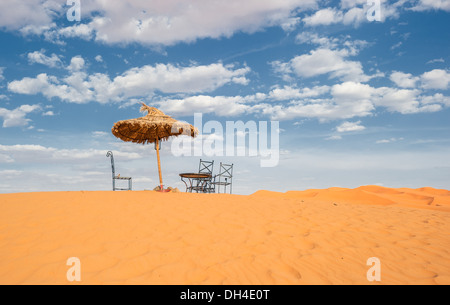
{"type": "Point", "coordinates": [110, 154]}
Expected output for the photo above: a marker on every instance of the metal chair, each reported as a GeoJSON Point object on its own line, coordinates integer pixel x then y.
{"type": "Point", "coordinates": [203, 185]}
{"type": "Point", "coordinates": [225, 177]}
{"type": "Point", "coordinates": [114, 177]}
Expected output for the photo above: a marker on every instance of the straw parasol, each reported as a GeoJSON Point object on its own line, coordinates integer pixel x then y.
{"type": "Point", "coordinates": [152, 128]}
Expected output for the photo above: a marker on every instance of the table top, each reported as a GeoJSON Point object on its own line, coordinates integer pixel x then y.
{"type": "Point", "coordinates": [195, 175]}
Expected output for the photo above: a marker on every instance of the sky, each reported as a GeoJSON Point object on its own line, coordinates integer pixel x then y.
{"type": "Point", "coordinates": [359, 89]}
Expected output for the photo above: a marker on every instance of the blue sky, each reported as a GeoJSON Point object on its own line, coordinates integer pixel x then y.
{"type": "Point", "coordinates": [358, 102]}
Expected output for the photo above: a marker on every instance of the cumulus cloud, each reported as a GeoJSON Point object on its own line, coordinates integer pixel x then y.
{"type": "Point", "coordinates": [404, 101]}
{"type": "Point", "coordinates": [219, 105]}
{"type": "Point", "coordinates": [17, 117]}
{"type": "Point", "coordinates": [80, 87]}
{"type": "Point", "coordinates": [404, 80]}
{"type": "Point", "coordinates": [48, 113]}
{"type": "Point", "coordinates": [76, 64]}
{"type": "Point", "coordinates": [343, 43]}
{"type": "Point", "coordinates": [83, 31]}
{"type": "Point", "coordinates": [424, 5]}
{"type": "Point", "coordinates": [322, 109]}
{"type": "Point", "coordinates": [17, 14]}
{"type": "Point", "coordinates": [436, 79]}
{"type": "Point", "coordinates": [290, 93]}
{"type": "Point", "coordinates": [39, 57]}
{"type": "Point", "coordinates": [348, 100]}
{"type": "Point", "coordinates": [350, 126]}
{"type": "Point", "coordinates": [152, 22]}
{"type": "Point", "coordinates": [325, 16]}
{"type": "Point", "coordinates": [352, 12]}
{"type": "Point", "coordinates": [324, 61]}
{"type": "Point", "coordinates": [174, 21]}
{"type": "Point", "coordinates": [345, 100]}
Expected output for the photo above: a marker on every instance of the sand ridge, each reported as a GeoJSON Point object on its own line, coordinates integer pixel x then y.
{"type": "Point", "coordinates": [145, 237]}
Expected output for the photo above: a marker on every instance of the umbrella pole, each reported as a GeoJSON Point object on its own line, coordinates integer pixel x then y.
{"type": "Point", "coordinates": [159, 165]}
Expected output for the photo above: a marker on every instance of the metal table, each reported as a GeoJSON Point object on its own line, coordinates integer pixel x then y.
{"type": "Point", "coordinates": [201, 180]}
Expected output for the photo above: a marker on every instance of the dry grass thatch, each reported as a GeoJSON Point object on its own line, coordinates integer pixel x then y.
{"type": "Point", "coordinates": [152, 127]}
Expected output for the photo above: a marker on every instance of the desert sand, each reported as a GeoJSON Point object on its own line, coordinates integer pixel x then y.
{"type": "Point", "coordinates": [298, 237]}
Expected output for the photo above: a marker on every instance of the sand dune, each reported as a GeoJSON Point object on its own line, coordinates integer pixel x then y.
{"type": "Point", "coordinates": [309, 237]}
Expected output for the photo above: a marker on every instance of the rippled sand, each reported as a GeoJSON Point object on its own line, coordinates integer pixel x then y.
{"type": "Point", "coordinates": [308, 237]}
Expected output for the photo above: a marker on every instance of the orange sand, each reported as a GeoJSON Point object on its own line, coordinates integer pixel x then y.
{"type": "Point", "coordinates": [310, 237]}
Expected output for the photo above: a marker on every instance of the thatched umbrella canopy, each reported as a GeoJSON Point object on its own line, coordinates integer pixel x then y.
{"type": "Point", "coordinates": [152, 128]}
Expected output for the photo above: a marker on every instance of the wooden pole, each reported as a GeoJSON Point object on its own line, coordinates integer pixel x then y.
{"type": "Point", "coordinates": [159, 165]}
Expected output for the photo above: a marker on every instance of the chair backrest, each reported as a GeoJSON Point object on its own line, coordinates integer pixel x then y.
{"type": "Point", "coordinates": [226, 170]}
{"type": "Point", "coordinates": [206, 167]}
{"type": "Point", "coordinates": [225, 177]}
{"type": "Point", "coordinates": [110, 154]}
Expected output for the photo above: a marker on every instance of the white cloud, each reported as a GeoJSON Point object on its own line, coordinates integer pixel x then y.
{"type": "Point", "coordinates": [344, 43]}
{"type": "Point", "coordinates": [173, 21]}
{"type": "Point", "coordinates": [17, 117]}
{"type": "Point", "coordinates": [76, 64]}
{"type": "Point", "coordinates": [98, 58]}
{"type": "Point", "coordinates": [404, 101]}
{"type": "Point", "coordinates": [290, 24]}
{"type": "Point", "coordinates": [173, 79]}
{"type": "Point", "coordinates": [351, 91]}
{"type": "Point", "coordinates": [355, 16]}
{"type": "Point", "coordinates": [432, 5]}
{"type": "Point", "coordinates": [50, 87]}
{"type": "Point", "coordinates": [40, 58]}
{"type": "Point", "coordinates": [46, 30]}
{"type": "Point", "coordinates": [325, 16]}
{"type": "Point", "coordinates": [404, 80]}
{"type": "Point", "coordinates": [290, 93]}
{"type": "Point", "coordinates": [325, 61]}
{"type": "Point", "coordinates": [79, 87]}
{"type": "Point", "coordinates": [48, 113]}
{"type": "Point", "coordinates": [322, 109]}
{"type": "Point", "coordinates": [152, 22]}
{"type": "Point", "coordinates": [437, 98]}
{"type": "Point", "coordinates": [341, 101]}
{"type": "Point", "coordinates": [83, 31]}
{"type": "Point", "coordinates": [436, 79]}
{"type": "Point", "coordinates": [219, 105]}
{"type": "Point", "coordinates": [350, 126]}
{"type": "Point", "coordinates": [17, 14]}
{"type": "Point", "coordinates": [351, 12]}
{"type": "Point", "coordinates": [348, 100]}
{"type": "Point", "coordinates": [313, 38]}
